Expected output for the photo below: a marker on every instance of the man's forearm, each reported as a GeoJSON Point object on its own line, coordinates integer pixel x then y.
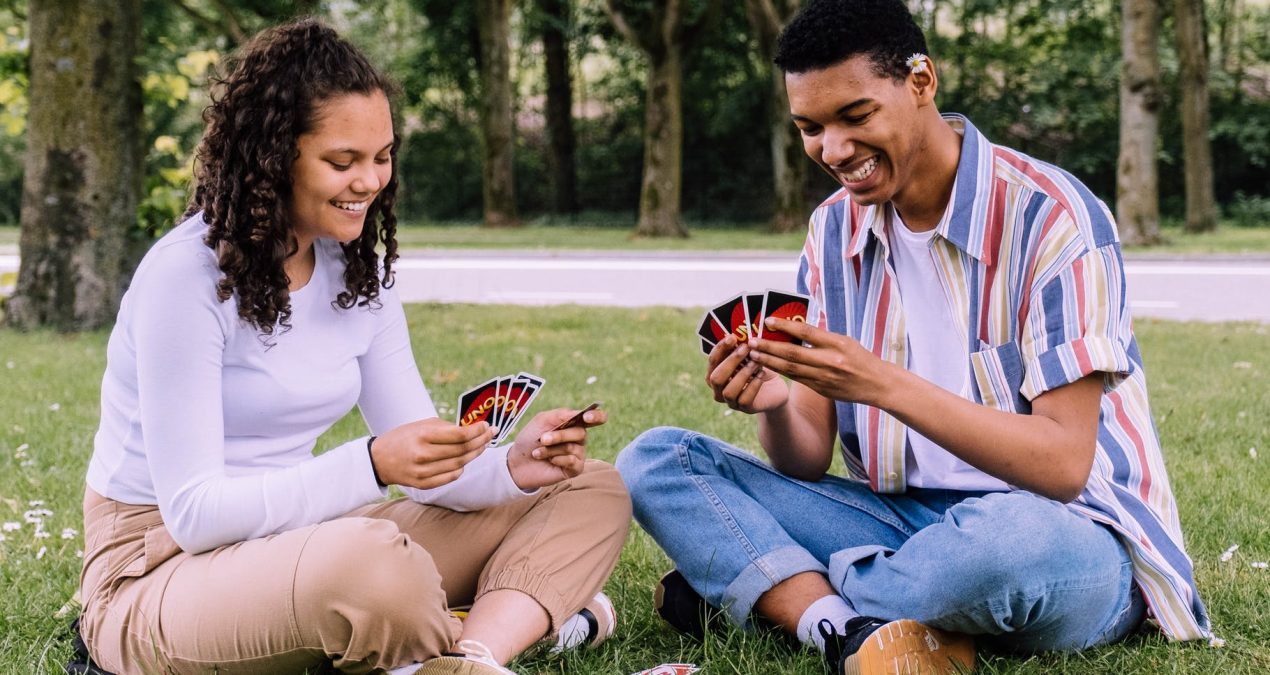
{"type": "Point", "coordinates": [798, 436]}
{"type": "Point", "coordinates": [1048, 452]}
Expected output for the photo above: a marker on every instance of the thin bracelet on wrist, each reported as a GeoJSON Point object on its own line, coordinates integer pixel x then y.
{"type": "Point", "coordinates": [372, 461]}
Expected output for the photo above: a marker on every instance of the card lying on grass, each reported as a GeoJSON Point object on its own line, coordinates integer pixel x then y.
{"type": "Point", "coordinates": [501, 401]}
{"type": "Point", "coordinates": [744, 314]}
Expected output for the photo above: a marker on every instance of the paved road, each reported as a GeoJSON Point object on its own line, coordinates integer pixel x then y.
{"type": "Point", "coordinates": [1231, 288]}
{"type": "Point", "coordinates": [1203, 289]}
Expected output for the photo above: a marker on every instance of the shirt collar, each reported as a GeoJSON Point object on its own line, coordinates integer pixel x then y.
{"type": "Point", "coordinates": [974, 168]}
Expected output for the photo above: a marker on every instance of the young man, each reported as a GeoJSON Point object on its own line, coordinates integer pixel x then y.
{"type": "Point", "coordinates": [969, 343]}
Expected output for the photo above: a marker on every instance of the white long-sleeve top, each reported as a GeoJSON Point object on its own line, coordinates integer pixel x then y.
{"type": "Point", "coordinates": [203, 416]}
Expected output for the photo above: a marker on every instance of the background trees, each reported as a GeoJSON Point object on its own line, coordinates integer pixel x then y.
{"type": "Point", "coordinates": [83, 163]}
{"type": "Point", "coordinates": [585, 122]}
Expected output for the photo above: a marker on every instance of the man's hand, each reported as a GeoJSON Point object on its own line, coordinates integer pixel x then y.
{"type": "Point", "coordinates": [427, 453]}
{"type": "Point", "coordinates": [542, 455]}
{"type": "Point", "coordinates": [834, 366]}
{"type": "Point", "coordinates": [742, 383]}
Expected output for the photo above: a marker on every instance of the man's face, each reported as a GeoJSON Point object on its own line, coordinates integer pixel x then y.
{"type": "Point", "coordinates": [860, 127]}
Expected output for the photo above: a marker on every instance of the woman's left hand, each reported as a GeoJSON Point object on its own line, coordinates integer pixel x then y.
{"type": "Point", "coordinates": [541, 456]}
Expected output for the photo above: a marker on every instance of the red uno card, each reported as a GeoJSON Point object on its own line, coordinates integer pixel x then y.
{"type": "Point", "coordinates": [670, 669]}
{"type": "Point", "coordinates": [476, 405]}
{"type": "Point", "coordinates": [731, 315]}
{"type": "Point", "coordinates": [524, 387]}
{"type": "Point", "coordinates": [753, 313]}
{"type": "Point", "coordinates": [782, 305]}
{"type": "Point", "coordinates": [710, 331]}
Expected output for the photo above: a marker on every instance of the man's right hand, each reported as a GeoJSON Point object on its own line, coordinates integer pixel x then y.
{"type": "Point", "coordinates": [427, 453]}
{"type": "Point", "coordinates": [741, 383]}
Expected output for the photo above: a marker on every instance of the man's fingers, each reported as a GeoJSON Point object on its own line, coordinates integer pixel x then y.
{"type": "Point", "coordinates": [799, 329]}
{"type": "Point", "coordinates": [740, 379]}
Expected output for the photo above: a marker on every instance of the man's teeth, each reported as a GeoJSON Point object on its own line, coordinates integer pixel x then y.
{"type": "Point", "coordinates": [351, 206]}
{"type": "Point", "coordinates": [863, 172]}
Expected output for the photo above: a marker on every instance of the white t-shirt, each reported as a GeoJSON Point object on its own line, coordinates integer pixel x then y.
{"type": "Point", "coordinates": [203, 417]}
{"type": "Point", "coordinates": [936, 353]}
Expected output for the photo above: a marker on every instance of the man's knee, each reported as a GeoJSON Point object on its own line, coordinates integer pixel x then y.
{"type": "Point", "coordinates": [1009, 538]}
{"type": "Point", "coordinates": [358, 573]}
{"type": "Point", "coordinates": [650, 452]}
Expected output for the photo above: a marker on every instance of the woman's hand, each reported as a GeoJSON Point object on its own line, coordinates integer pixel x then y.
{"type": "Point", "coordinates": [427, 453]}
{"type": "Point", "coordinates": [741, 382]}
{"type": "Point", "coordinates": [541, 456]}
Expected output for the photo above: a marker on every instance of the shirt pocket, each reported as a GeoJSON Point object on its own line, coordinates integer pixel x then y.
{"type": "Point", "coordinates": [997, 373]}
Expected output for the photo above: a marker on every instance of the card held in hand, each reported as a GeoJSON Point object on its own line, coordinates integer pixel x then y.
{"type": "Point", "coordinates": [782, 305]}
{"type": "Point", "coordinates": [476, 405]}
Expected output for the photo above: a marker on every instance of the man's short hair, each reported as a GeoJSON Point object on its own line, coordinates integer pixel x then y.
{"type": "Point", "coordinates": [828, 32]}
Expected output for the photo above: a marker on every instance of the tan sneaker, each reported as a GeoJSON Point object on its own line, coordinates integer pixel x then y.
{"type": "Point", "coordinates": [472, 658]}
{"type": "Point", "coordinates": [904, 647]}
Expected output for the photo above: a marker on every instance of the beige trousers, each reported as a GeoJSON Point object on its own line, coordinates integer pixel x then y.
{"type": "Point", "coordinates": [364, 592]}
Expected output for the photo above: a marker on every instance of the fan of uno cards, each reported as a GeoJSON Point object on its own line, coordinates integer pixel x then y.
{"type": "Point", "coordinates": [501, 401]}
{"type": "Point", "coordinates": [743, 317]}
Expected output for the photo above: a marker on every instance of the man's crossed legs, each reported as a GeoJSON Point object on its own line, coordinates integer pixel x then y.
{"type": "Point", "coordinates": [1020, 572]}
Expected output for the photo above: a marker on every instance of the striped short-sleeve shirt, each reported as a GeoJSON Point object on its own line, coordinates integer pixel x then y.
{"type": "Point", "coordinates": [1031, 267]}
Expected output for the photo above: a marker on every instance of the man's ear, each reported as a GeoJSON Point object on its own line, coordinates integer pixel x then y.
{"type": "Point", "coordinates": [924, 83]}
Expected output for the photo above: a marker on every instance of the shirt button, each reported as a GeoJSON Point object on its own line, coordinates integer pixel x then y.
{"type": "Point", "coordinates": [897, 346]}
{"type": "Point", "coordinates": [892, 475]}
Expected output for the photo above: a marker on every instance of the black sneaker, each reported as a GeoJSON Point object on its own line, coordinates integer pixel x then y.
{"type": "Point", "coordinates": [683, 608]}
{"type": "Point", "coordinates": [875, 647]}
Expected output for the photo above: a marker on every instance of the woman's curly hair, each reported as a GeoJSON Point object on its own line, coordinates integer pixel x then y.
{"type": "Point", "coordinates": [270, 97]}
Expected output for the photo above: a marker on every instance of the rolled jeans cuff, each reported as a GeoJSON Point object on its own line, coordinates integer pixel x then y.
{"type": "Point", "coordinates": [840, 563]}
{"type": "Point", "coordinates": [760, 576]}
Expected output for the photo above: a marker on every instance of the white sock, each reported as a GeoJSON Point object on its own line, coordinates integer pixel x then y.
{"type": "Point", "coordinates": [831, 608]}
{"type": "Point", "coordinates": [574, 631]}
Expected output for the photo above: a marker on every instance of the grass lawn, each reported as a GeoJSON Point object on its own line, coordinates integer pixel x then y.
{"type": "Point", "coordinates": [616, 235]}
{"type": "Point", "coordinates": [1211, 393]}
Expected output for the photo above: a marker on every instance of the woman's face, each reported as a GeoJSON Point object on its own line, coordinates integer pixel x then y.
{"type": "Point", "coordinates": [343, 163]}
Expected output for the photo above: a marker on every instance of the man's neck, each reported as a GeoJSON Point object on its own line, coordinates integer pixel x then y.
{"type": "Point", "coordinates": [922, 201]}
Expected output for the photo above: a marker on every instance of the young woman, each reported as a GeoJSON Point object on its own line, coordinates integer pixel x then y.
{"type": "Point", "coordinates": [215, 539]}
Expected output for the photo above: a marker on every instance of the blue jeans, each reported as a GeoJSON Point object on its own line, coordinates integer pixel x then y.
{"type": "Point", "coordinates": [1020, 570]}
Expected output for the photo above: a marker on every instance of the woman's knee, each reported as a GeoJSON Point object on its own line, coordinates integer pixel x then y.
{"type": "Point", "coordinates": [356, 572]}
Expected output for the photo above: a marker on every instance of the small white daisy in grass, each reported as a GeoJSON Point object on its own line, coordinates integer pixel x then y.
{"type": "Point", "coordinates": [35, 502]}
{"type": "Point", "coordinates": [1252, 453]}
{"type": "Point", "coordinates": [41, 534]}
{"type": "Point", "coordinates": [11, 526]}
{"type": "Point", "coordinates": [10, 365]}
{"type": "Point", "coordinates": [592, 379]}
{"type": "Point", "coordinates": [1261, 565]}
{"type": "Point", "coordinates": [69, 533]}
{"type": "Point", "coordinates": [1229, 553]}
{"type": "Point", "coordinates": [42, 551]}
{"type": "Point", "coordinates": [55, 407]}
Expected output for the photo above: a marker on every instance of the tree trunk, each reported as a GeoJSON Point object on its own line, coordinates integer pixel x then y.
{"type": "Point", "coordinates": [1201, 207]}
{"type": "Point", "coordinates": [82, 168]}
{"type": "Point", "coordinates": [789, 164]}
{"type": "Point", "coordinates": [1137, 181]}
{"type": "Point", "coordinates": [559, 107]}
{"type": "Point", "coordinates": [663, 147]}
{"type": "Point", "coordinates": [664, 44]}
{"type": "Point", "coordinates": [497, 125]}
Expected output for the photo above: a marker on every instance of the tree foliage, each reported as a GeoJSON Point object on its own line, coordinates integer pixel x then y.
{"type": "Point", "coordinates": [1039, 75]}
